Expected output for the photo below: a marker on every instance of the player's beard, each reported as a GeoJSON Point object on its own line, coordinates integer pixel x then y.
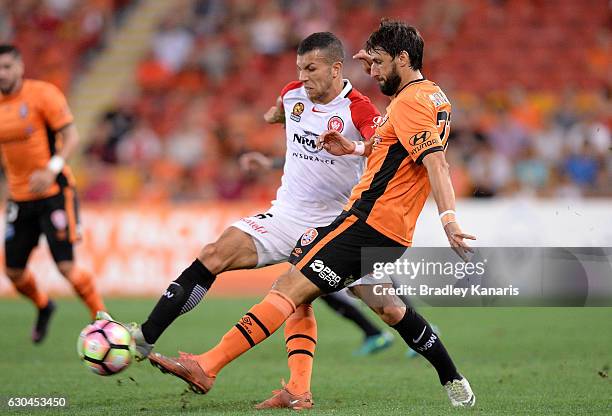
{"type": "Point", "coordinates": [9, 88]}
{"type": "Point", "coordinates": [392, 83]}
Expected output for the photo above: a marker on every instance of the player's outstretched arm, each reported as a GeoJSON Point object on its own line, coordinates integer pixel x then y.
{"type": "Point", "coordinates": [442, 190]}
{"type": "Point", "coordinates": [338, 145]}
{"type": "Point", "coordinates": [254, 162]}
{"type": "Point", "coordinates": [276, 113]}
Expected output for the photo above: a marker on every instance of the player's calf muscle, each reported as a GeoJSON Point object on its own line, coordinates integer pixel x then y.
{"type": "Point", "coordinates": [389, 308]}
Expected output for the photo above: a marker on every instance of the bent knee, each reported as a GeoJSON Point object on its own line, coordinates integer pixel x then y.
{"type": "Point", "coordinates": [391, 315]}
{"type": "Point", "coordinates": [65, 268]}
{"type": "Point", "coordinates": [213, 258]}
{"type": "Point", "coordinates": [14, 275]}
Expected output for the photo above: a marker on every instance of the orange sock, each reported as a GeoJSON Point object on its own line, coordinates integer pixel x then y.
{"type": "Point", "coordinates": [27, 287]}
{"type": "Point", "coordinates": [301, 338]}
{"type": "Point", "coordinates": [259, 323]}
{"type": "Point", "coordinates": [83, 284]}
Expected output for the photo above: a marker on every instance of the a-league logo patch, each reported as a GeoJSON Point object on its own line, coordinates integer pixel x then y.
{"type": "Point", "coordinates": [297, 111]}
{"type": "Point", "coordinates": [335, 123]}
{"type": "Point", "coordinates": [309, 236]}
{"type": "Point", "coordinates": [59, 220]}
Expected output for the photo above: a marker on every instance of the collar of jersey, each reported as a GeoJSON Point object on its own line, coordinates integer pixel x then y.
{"type": "Point", "coordinates": [414, 81]}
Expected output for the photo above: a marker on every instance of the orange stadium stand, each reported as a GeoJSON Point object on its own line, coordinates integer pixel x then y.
{"type": "Point", "coordinates": [56, 42]}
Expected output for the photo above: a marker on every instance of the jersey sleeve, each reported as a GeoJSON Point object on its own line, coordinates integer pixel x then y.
{"type": "Point", "coordinates": [415, 125]}
{"type": "Point", "coordinates": [363, 113]}
{"type": "Point", "coordinates": [54, 107]}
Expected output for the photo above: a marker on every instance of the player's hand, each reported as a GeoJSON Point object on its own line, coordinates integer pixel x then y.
{"type": "Point", "coordinates": [335, 143]}
{"type": "Point", "coordinates": [276, 113]}
{"type": "Point", "coordinates": [254, 162]}
{"type": "Point", "coordinates": [455, 238]}
{"type": "Point", "coordinates": [41, 180]}
{"type": "Point", "coordinates": [365, 59]}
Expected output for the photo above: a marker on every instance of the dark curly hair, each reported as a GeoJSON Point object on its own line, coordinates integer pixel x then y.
{"type": "Point", "coordinates": [393, 37]}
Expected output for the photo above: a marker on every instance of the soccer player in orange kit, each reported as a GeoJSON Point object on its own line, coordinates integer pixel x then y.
{"type": "Point", "coordinates": [37, 136]}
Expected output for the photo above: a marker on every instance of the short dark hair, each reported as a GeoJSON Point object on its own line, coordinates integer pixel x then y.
{"type": "Point", "coordinates": [393, 37]}
{"type": "Point", "coordinates": [323, 41]}
{"type": "Point", "coordinates": [12, 49]}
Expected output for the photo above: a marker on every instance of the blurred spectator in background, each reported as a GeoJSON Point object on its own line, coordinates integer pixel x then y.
{"type": "Point", "coordinates": [111, 129]}
{"type": "Point", "coordinates": [507, 135]}
{"type": "Point", "coordinates": [140, 147]}
{"type": "Point", "coordinates": [173, 42]}
{"type": "Point", "coordinates": [582, 166]}
{"type": "Point", "coordinates": [490, 171]}
{"type": "Point", "coordinates": [6, 22]}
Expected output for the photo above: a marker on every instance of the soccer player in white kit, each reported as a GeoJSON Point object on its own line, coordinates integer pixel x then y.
{"type": "Point", "coordinates": [315, 186]}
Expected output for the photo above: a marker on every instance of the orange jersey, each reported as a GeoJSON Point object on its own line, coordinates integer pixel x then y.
{"type": "Point", "coordinates": [394, 187]}
{"type": "Point", "coordinates": [29, 120]}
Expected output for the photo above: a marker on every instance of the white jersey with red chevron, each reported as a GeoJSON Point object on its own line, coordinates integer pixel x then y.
{"type": "Point", "coordinates": [315, 184]}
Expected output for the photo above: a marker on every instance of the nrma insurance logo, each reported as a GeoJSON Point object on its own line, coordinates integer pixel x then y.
{"type": "Point", "coordinates": [308, 140]}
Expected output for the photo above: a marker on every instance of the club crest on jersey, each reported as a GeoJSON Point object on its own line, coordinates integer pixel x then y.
{"type": "Point", "coordinates": [380, 120]}
{"type": "Point", "coordinates": [309, 236]}
{"type": "Point", "coordinates": [23, 110]}
{"type": "Point", "coordinates": [12, 212]}
{"type": "Point", "coordinates": [297, 111]}
{"type": "Point", "coordinates": [59, 220]}
{"type": "Point", "coordinates": [419, 138]}
{"type": "Point", "coordinates": [335, 123]}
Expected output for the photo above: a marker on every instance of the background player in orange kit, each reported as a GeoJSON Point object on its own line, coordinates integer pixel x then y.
{"type": "Point", "coordinates": [37, 135]}
{"type": "Point", "coordinates": [405, 162]}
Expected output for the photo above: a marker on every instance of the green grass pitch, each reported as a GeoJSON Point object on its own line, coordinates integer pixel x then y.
{"type": "Point", "coordinates": [519, 361]}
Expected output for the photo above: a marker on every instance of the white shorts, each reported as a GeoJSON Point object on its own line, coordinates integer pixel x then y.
{"type": "Point", "coordinates": [275, 233]}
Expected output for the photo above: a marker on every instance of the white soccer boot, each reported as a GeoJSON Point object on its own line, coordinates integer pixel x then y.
{"type": "Point", "coordinates": [103, 315]}
{"type": "Point", "coordinates": [143, 348]}
{"type": "Point", "coordinates": [460, 393]}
